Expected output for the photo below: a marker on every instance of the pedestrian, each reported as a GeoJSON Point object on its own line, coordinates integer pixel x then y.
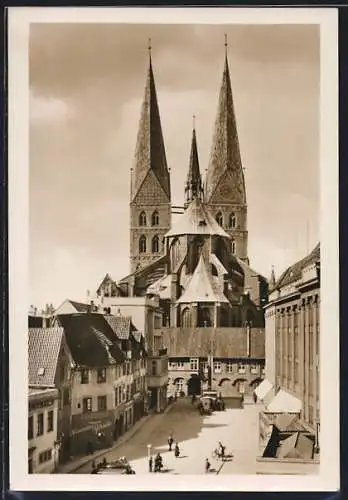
{"type": "Point", "coordinates": [150, 463]}
{"type": "Point", "coordinates": [207, 465]}
{"type": "Point", "coordinates": [222, 449]}
{"type": "Point", "coordinates": [170, 442]}
{"type": "Point", "coordinates": [177, 450]}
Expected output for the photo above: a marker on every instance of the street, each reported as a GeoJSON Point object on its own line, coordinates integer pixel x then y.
{"type": "Point", "coordinates": [197, 436]}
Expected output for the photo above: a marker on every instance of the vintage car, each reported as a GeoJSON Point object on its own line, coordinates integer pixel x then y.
{"type": "Point", "coordinates": [118, 466]}
{"type": "Point", "coordinates": [210, 401]}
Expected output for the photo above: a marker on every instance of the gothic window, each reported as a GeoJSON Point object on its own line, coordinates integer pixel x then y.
{"type": "Point", "coordinates": [142, 244]}
{"type": "Point", "coordinates": [155, 244]}
{"type": "Point", "coordinates": [233, 246]}
{"type": "Point", "coordinates": [186, 318]}
{"type": "Point", "coordinates": [142, 219]}
{"type": "Point", "coordinates": [219, 218]}
{"type": "Point", "coordinates": [155, 219]}
{"type": "Point", "coordinates": [232, 220]}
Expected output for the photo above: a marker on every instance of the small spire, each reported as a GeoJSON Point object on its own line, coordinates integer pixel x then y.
{"type": "Point", "coordinates": [272, 281]}
{"type": "Point", "coordinates": [226, 44]}
{"type": "Point", "coordinates": [149, 47]}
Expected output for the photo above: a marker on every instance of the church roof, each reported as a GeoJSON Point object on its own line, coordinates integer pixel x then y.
{"type": "Point", "coordinates": [197, 220]}
{"type": "Point", "coordinates": [200, 288]}
{"type": "Point", "coordinates": [225, 152]}
{"type": "Point", "coordinates": [150, 152]}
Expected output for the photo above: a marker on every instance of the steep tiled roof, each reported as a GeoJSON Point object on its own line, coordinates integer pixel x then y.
{"type": "Point", "coordinates": [79, 306]}
{"type": "Point", "coordinates": [225, 153]}
{"type": "Point", "coordinates": [200, 288]}
{"type": "Point", "coordinates": [43, 352]}
{"type": "Point", "coordinates": [90, 339]}
{"type": "Point", "coordinates": [227, 342]}
{"type": "Point", "coordinates": [150, 151]}
{"type": "Point", "coordinates": [294, 272]}
{"type": "Point", "coordinates": [120, 325]}
{"type": "Point", "coordinates": [197, 220]}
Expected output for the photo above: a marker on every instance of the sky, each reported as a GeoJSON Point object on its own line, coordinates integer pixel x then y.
{"type": "Point", "coordinates": [86, 88]}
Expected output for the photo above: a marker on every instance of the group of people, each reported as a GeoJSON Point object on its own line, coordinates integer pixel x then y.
{"type": "Point", "coordinates": [220, 452]}
{"type": "Point", "coordinates": [156, 464]}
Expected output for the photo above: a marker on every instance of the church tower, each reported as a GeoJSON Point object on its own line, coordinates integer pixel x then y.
{"type": "Point", "coordinates": [150, 198]}
{"type": "Point", "coordinates": [225, 193]}
{"type": "Point", "coordinates": [193, 186]}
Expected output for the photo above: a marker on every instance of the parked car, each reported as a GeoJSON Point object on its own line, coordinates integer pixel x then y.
{"type": "Point", "coordinates": [118, 466]}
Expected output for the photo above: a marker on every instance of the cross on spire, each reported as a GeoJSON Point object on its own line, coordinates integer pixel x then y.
{"type": "Point", "coordinates": [226, 44]}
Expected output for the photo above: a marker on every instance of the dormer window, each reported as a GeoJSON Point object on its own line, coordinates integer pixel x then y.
{"type": "Point", "coordinates": [41, 371]}
{"type": "Point", "coordinates": [219, 219]}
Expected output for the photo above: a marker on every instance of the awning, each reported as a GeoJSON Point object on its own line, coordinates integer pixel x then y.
{"type": "Point", "coordinates": [263, 388]}
{"type": "Point", "coordinates": [283, 402]}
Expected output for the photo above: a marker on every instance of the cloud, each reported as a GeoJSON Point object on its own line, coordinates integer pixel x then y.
{"type": "Point", "coordinates": [45, 110]}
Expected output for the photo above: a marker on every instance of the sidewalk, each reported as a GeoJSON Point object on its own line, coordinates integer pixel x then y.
{"type": "Point", "coordinates": [79, 462]}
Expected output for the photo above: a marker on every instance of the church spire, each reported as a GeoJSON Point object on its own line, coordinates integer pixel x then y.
{"type": "Point", "coordinates": [193, 187]}
{"type": "Point", "coordinates": [225, 153]}
{"type": "Point", "coordinates": [150, 152]}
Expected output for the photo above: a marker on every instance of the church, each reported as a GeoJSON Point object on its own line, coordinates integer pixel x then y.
{"type": "Point", "coordinates": [210, 299]}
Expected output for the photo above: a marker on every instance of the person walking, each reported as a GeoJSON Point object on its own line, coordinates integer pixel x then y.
{"type": "Point", "coordinates": [177, 450]}
{"type": "Point", "coordinates": [222, 449]}
{"type": "Point", "coordinates": [170, 442]}
{"type": "Point", "coordinates": [207, 465]}
{"type": "Point", "coordinates": [150, 463]}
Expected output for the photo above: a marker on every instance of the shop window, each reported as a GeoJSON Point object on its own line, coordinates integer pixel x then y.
{"type": "Point", "coordinates": [101, 403]}
{"type": "Point", "coordinates": [241, 387]}
{"type": "Point", "coordinates": [86, 405]}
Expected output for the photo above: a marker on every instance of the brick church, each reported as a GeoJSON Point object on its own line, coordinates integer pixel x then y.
{"type": "Point", "coordinates": [211, 301]}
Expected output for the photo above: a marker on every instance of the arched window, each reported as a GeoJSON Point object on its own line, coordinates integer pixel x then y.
{"type": "Point", "coordinates": [155, 218]}
{"type": "Point", "coordinates": [233, 246]}
{"type": "Point", "coordinates": [186, 318]}
{"type": "Point", "coordinates": [142, 244]}
{"type": "Point", "coordinates": [155, 244]}
{"type": "Point", "coordinates": [142, 219]}
{"type": "Point", "coordinates": [219, 218]}
{"type": "Point", "coordinates": [232, 220]}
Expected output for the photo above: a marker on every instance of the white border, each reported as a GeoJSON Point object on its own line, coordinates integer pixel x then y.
{"type": "Point", "coordinates": [19, 20]}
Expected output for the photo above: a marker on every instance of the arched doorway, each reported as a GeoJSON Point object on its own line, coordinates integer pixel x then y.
{"type": "Point", "coordinates": [194, 385]}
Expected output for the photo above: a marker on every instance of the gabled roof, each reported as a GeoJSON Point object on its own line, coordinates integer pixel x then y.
{"type": "Point", "coordinates": [44, 346]}
{"type": "Point", "coordinates": [120, 325]}
{"type": "Point", "coordinates": [90, 339]}
{"type": "Point", "coordinates": [150, 151]}
{"type": "Point", "coordinates": [294, 272]}
{"type": "Point", "coordinates": [196, 220]}
{"type": "Point", "coordinates": [200, 287]}
{"type": "Point", "coordinates": [112, 284]}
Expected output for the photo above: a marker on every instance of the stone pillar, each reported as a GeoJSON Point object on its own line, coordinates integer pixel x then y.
{"type": "Point", "coordinates": [285, 345]}
{"type": "Point", "coordinates": [314, 360]}
{"type": "Point", "coordinates": [293, 313]}
{"type": "Point", "coordinates": [301, 348]}
{"type": "Point", "coordinates": [158, 406]}
{"type": "Point", "coordinates": [281, 353]}
{"type": "Point", "coordinates": [306, 361]}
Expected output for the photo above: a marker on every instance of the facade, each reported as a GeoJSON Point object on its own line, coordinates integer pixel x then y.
{"type": "Point", "coordinates": [293, 344]}
{"type": "Point", "coordinates": [108, 378]}
{"type": "Point", "coordinates": [199, 272]}
{"type": "Point", "coordinates": [42, 430]}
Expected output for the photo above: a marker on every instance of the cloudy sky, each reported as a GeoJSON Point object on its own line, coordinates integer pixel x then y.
{"type": "Point", "coordinates": [86, 87]}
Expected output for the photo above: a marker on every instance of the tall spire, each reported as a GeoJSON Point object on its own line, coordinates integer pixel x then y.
{"type": "Point", "coordinates": [272, 280]}
{"type": "Point", "coordinates": [225, 153]}
{"type": "Point", "coordinates": [193, 187]}
{"type": "Point", "coordinates": [150, 151]}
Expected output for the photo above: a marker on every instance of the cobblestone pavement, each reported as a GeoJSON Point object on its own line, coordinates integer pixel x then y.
{"type": "Point", "coordinates": [197, 436]}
